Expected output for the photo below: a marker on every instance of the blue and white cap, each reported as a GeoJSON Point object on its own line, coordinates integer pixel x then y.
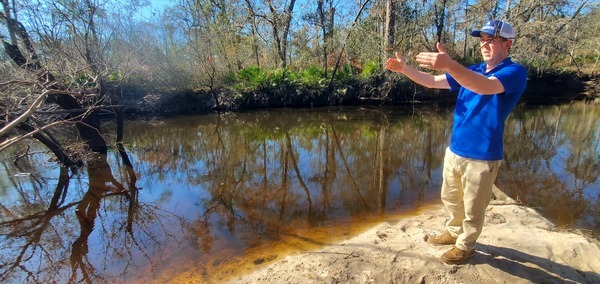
{"type": "Point", "coordinates": [496, 28]}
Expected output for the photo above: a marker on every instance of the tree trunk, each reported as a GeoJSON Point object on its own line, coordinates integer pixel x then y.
{"type": "Point", "coordinates": [254, 30]}
{"type": "Point", "coordinates": [440, 14]}
{"type": "Point", "coordinates": [321, 13]}
{"type": "Point", "coordinates": [390, 28]}
{"type": "Point", "coordinates": [343, 47]}
{"type": "Point", "coordinates": [281, 40]}
{"type": "Point", "coordinates": [50, 143]}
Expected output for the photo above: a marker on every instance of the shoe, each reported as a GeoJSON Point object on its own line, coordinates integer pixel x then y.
{"type": "Point", "coordinates": [443, 239]}
{"type": "Point", "coordinates": [456, 255]}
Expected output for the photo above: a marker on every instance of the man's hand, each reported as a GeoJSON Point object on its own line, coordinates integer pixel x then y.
{"type": "Point", "coordinates": [435, 60]}
{"type": "Point", "coordinates": [395, 64]}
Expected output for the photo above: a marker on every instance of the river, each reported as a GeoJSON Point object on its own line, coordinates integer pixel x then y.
{"type": "Point", "coordinates": [209, 196]}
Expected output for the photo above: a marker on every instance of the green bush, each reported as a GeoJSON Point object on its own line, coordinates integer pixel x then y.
{"type": "Point", "coordinates": [278, 77]}
{"type": "Point", "coordinates": [370, 68]}
{"type": "Point", "coordinates": [250, 77]}
{"type": "Point", "coordinates": [312, 76]}
{"type": "Point", "coordinates": [254, 78]}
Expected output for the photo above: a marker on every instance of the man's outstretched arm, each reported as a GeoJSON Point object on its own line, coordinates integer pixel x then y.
{"type": "Point", "coordinates": [398, 65]}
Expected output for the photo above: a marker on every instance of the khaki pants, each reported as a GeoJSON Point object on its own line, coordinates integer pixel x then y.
{"type": "Point", "coordinates": [466, 193]}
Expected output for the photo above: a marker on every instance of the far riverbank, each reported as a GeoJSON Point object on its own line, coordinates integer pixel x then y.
{"type": "Point", "coordinates": [383, 89]}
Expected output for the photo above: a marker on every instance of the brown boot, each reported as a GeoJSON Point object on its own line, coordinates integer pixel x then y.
{"type": "Point", "coordinates": [443, 239]}
{"type": "Point", "coordinates": [456, 255]}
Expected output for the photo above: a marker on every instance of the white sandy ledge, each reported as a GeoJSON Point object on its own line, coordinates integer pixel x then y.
{"type": "Point", "coordinates": [517, 245]}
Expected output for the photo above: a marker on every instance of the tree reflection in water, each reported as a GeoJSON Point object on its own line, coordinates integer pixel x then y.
{"type": "Point", "coordinates": [222, 193]}
{"type": "Point", "coordinates": [33, 246]}
{"type": "Point", "coordinates": [552, 163]}
{"type": "Point", "coordinates": [101, 183]}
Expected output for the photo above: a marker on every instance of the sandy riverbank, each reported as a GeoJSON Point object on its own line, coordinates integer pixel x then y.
{"type": "Point", "coordinates": [517, 245]}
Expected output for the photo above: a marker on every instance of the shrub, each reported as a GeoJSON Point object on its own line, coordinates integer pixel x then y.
{"type": "Point", "coordinates": [312, 76]}
{"type": "Point", "coordinates": [370, 68]}
{"type": "Point", "coordinates": [250, 77]}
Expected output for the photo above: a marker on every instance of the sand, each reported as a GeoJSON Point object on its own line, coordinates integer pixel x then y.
{"type": "Point", "coordinates": [517, 245]}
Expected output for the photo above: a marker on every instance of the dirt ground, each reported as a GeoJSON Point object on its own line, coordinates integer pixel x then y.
{"type": "Point", "coordinates": [517, 245]}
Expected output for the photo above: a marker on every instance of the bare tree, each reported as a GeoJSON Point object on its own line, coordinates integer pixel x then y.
{"type": "Point", "coordinates": [326, 11]}
{"type": "Point", "coordinates": [25, 56]}
{"type": "Point", "coordinates": [279, 23]}
{"type": "Point", "coordinates": [75, 98]}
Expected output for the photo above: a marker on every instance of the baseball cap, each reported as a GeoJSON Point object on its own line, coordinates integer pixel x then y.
{"type": "Point", "coordinates": [496, 28]}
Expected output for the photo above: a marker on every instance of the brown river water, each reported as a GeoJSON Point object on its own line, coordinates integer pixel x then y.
{"type": "Point", "coordinates": [209, 196]}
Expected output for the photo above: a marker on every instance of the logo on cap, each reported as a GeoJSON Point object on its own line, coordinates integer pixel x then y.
{"type": "Point", "coordinates": [496, 28]}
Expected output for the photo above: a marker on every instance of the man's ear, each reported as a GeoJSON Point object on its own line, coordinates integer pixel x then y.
{"type": "Point", "coordinates": [508, 43]}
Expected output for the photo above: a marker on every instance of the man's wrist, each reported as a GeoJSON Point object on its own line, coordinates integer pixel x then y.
{"type": "Point", "coordinates": [453, 66]}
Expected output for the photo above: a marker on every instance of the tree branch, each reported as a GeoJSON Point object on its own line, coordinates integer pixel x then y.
{"type": "Point", "coordinates": [9, 142]}
{"type": "Point", "coordinates": [39, 101]}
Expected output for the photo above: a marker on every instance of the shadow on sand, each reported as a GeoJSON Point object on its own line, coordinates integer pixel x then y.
{"type": "Point", "coordinates": [533, 268]}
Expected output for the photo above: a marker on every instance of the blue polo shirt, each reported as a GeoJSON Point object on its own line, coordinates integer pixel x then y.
{"type": "Point", "coordinates": [478, 127]}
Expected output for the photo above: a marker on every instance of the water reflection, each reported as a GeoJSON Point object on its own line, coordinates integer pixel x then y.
{"type": "Point", "coordinates": [200, 194]}
{"type": "Point", "coordinates": [35, 233]}
{"type": "Point", "coordinates": [552, 157]}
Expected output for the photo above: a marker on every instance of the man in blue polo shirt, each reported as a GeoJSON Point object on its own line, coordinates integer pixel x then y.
{"type": "Point", "coordinates": [487, 93]}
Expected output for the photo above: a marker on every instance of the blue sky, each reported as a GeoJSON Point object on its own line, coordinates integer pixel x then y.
{"type": "Point", "coordinates": [154, 9]}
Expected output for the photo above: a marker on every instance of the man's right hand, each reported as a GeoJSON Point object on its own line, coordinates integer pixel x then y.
{"type": "Point", "coordinates": [395, 64]}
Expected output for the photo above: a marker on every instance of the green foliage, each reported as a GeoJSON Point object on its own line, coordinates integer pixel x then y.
{"type": "Point", "coordinates": [344, 73]}
{"type": "Point", "coordinates": [588, 58]}
{"type": "Point", "coordinates": [79, 80]}
{"type": "Point", "coordinates": [114, 77]}
{"type": "Point", "coordinates": [370, 68]}
{"type": "Point", "coordinates": [250, 77]}
{"type": "Point", "coordinates": [312, 76]}
{"type": "Point", "coordinates": [278, 77]}
{"type": "Point", "coordinates": [82, 81]}
{"type": "Point", "coordinates": [255, 78]}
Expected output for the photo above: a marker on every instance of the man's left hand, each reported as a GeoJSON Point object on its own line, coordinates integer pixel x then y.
{"type": "Point", "coordinates": [435, 60]}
